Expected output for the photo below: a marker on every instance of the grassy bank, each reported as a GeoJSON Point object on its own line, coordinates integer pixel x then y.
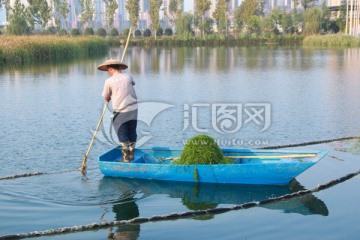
{"type": "Point", "coordinates": [331, 41]}
{"type": "Point", "coordinates": [27, 49]}
{"type": "Point", "coordinates": [33, 49]}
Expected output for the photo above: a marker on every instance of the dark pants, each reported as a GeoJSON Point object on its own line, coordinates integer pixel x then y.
{"type": "Point", "coordinates": [125, 124]}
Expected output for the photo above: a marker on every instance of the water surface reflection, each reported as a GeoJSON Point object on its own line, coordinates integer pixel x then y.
{"type": "Point", "coordinates": [200, 196]}
{"type": "Point", "coordinates": [225, 59]}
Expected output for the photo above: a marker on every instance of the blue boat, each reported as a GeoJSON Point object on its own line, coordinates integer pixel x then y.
{"type": "Point", "coordinates": [250, 166]}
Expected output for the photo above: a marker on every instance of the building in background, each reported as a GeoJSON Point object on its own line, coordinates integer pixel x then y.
{"type": "Point", "coordinates": [121, 18]}
{"type": "Point", "coordinates": [99, 14]}
{"type": "Point", "coordinates": [144, 17]}
{"type": "Point", "coordinates": [2, 16]}
{"type": "Point", "coordinates": [285, 5]}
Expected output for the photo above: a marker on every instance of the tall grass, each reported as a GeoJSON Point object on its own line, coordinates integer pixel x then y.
{"type": "Point", "coordinates": [332, 41]}
{"type": "Point", "coordinates": [27, 49]}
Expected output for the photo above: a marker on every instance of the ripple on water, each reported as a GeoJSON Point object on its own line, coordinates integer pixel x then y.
{"type": "Point", "coordinates": [65, 189]}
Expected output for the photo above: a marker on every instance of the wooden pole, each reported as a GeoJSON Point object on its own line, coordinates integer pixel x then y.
{"type": "Point", "coordinates": [126, 45]}
{"type": "Point", "coordinates": [277, 156]}
{"type": "Point", "coordinates": [259, 156]}
{"type": "Point", "coordinates": [83, 165]}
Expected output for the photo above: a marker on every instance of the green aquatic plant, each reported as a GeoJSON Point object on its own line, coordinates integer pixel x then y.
{"type": "Point", "coordinates": [202, 149]}
{"type": "Point", "coordinates": [196, 175]}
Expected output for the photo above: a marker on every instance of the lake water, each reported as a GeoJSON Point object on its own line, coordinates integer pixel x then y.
{"type": "Point", "coordinates": [241, 96]}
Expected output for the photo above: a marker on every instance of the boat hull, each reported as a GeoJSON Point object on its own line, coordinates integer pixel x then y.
{"type": "Point", "coordinates": [251, 170]}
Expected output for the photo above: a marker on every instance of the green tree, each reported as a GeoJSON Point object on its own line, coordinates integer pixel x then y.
{"type": "Point", "coordinates": [276, 16]}
{"type": "Point", "coordinates": [268, 26]}
{"type": "Point", "coordinates": [220, 15]}
{"type": "Point", "coordinates": [147, 33]}
{"type": "Point", "coordinates": [209, 23]}
{"type": "Point", "coordinates": [75, 32]}
{"type": "Point", "coordinates": [326, 21]}
{"type": "Point", "coordinates": [38, 12]}
{"type": "Point", "coordinates": [51, 30]}
{"type": "Point", "coordinates": [341, 21]}
{"type": "Point", "coordinates": [288, 23]}
{"type": "Point", "coordinates": [110, 8]}
{"type": "Point", "coordinates": [133, 8]}
{"type": "Point", "coordinates": [154, 9]}
{"type": "Point", "coordinates": [137, 33]}
{"type": "Point", "coordinates": [18, 25]}
{"type": "Point", "coordinates": [297, 20]}
{"type": "Point", "coordinates": [114, 32]}
{"type": "Point", "coordinates": [160, 32]}
{"type": "Point", "coordinates": [101, 32]}
{"type": "Point", "coordinates": [88, 11]}
{"type": "Point", "coordinates": [89, 31]}
{"type": "Point", "coordinates": [247, 9]}
{"type": "Point", "coordinates": [17, 8]}
{"type": "Point", "coordinates": [183, 26]}
{"type": "Point", "coordinates": [168, 32]}
{"type": "Point", "coordinates": [62, 32]}
{"type": "Point", "coordinates": [174, 10]}
{"type": "Point", "coordinates": [312, 21]}
{"type": "Point", "coordinates": [126, 32]}
{"type": "Point", "coordinates": [201, 7]}
{"type": "Point", "coordinates": [254, 25]}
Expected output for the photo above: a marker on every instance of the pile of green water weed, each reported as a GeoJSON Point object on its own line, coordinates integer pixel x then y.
{"type": "Point", "coordinates": [202, 149]}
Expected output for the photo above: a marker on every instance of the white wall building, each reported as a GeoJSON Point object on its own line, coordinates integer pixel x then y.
{"type": "Point", "coordinates": [2, 16]}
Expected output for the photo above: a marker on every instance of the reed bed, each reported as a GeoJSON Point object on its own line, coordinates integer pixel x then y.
{"type": "Point", "coordinates": [332, 41]}
{"type": "Point", "coordinates": [30, 49]}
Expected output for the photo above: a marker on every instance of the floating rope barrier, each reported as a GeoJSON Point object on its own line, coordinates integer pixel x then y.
{"type": "Point", "coordinates": [311, 143]}
{"type": "Point", "coordinates": [173, 216]}
{"type": "Point", "coordinates": [23, 175]}
{"type": "Point", "coordinates": [38, 173]}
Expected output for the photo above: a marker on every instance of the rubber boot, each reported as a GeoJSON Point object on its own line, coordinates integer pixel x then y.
{"type": "Point", "coordinates": [131, 151]}
{"type": "Point", "coordinates": [125, 151]}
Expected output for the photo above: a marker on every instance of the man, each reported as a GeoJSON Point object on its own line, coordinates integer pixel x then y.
{"type": "Point", "coordinates": [120, 89]}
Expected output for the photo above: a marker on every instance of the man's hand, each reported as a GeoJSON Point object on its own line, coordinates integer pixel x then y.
{"type": "Point", "coordinates": [107, 99]}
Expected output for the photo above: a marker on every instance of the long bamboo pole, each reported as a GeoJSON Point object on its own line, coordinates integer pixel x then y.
{"type": "Point", "coordinates": [83, 165]}
{"type": "Point", "coordinates": [260, 156]}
